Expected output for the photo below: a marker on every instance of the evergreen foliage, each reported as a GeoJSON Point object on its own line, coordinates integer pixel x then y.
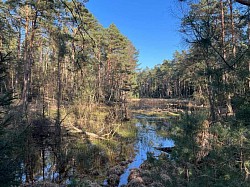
{"type": "Point", "coordinates": [59, 66]}
{"type": "Point", "coordinates": [64, 66]}
{"type": "Point", "coordinates": [212, 142]}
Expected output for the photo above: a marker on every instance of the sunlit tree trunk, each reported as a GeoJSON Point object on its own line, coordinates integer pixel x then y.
{"type": "Point", "coordinates": [28, 56]}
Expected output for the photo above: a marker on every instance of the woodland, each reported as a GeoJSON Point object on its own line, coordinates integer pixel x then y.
{"type": "Point", "coordinates": [67, 84]}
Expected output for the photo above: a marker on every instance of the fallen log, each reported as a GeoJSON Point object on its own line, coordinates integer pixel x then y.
{"type": "Point", "coordinates": [94, 136]}
{"type": "Point", "coordinates": [165, 149]}
{"type": "Point", "coordinates": [75, 130]}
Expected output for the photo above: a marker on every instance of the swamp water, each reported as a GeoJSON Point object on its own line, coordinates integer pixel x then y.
{"type": "Point", "coordinates": [86, 161]}
{"type": "Point", "coordinates": [147, 141]}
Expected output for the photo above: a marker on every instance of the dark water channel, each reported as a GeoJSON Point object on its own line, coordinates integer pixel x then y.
{"type": "Point", "coordinates": [148, 139]}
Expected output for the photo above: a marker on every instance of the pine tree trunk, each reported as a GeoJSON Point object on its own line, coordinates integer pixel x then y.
{"type": "Point", "coordinates": [59, 95]}
{"type": "Point", "coordinates": [232, 27]}
{"type": "Point", "coordinates": [222, 29]}
{"type": "Point", "coordinates": [26, 63]}
{"type": "Point", "coordinates": [225, 74]}
{"type": "Point", "coordinates": [28, 50]}
{"type": "Point", "coordinates": [211, 100]}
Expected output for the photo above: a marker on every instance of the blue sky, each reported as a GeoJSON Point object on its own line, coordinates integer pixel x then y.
{"type": "Point", "coordinates": [151, 25]}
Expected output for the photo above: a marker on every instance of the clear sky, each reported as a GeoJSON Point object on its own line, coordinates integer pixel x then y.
{"type": "Point", "coordinates": [151, 25]}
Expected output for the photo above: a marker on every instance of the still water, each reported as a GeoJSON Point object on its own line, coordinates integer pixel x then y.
{"type": "Point", "coordinates": [147, 141]}
{"type": "Point", "coordinates": [82, 160]}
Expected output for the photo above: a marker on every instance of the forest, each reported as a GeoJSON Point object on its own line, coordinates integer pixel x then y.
{"type": "Point", "coordinates": [73, 101]}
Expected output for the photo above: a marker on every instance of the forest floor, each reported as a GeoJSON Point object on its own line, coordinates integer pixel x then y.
{"type": "Point", "coordinates": [102, 116]}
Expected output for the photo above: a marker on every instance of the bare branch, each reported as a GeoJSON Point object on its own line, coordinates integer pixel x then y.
{"type": "Point", "coordinates": [243, 2]}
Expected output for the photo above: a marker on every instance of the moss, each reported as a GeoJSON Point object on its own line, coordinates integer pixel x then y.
{"type": "Point", "coordinates": [163, 133]}
{"type": "Point", "coordinates": [128, 131]}
{"type": "Point", "coordinates": [105, 144]}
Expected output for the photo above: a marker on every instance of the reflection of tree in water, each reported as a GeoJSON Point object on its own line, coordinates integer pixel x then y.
{"type": "Point", "coordinates": [147, 141]}
{"type": "Point", "coordinates": [46, 161]}
{"type": "Point", "coordinates": [155, 123]}
{"type": "Point", "coordinates": [148, 137]}
{"type": "Point", "coordinates": [76, 158]}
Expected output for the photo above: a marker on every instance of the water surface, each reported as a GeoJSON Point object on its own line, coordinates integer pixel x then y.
{"type": "Point", "coordinates": [147, 141]}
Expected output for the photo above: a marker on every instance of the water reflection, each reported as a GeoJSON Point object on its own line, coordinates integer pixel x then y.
{"type": "Point", "coordinates": [74, 158]}
{"type": "Point", "coordinates": [148, 140]}
{"type": "Point", "coordinates": [78, 158]}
